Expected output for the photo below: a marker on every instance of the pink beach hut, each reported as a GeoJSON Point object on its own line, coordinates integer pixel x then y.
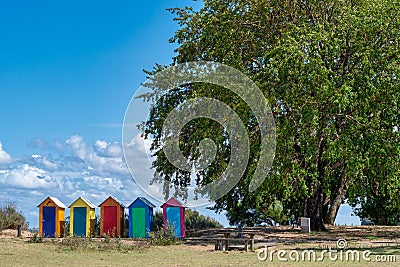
{"type": "Point", "coordinates": [174, 216]}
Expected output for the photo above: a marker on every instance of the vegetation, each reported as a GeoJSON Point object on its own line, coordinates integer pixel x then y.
{"type": "Point", "coordinates": [36, 238]}
{"type": "Point", "coordinates": [11, 217]}
{"type": "Point", "coordinates": [158, 220]}
{"type": "Point", "coordinates": [66, 226]}
{"type": "Point", "coordinates": [164, 236]}
{"type": "Point", "coordinates": [251, 217]}
{"type": "Point", "coordinates": [194, 220]}
{"type": "Point", "coordinates": [88, 244]}
{"type": "Point", "coordinates": [18, 252]}
{"type": "Point", "coordinates": [330, 71]}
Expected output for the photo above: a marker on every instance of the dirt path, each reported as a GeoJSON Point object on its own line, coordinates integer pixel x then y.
{"type": "Point", "coordinates": [355, 236]}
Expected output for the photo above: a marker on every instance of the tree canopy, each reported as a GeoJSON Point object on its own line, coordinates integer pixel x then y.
{"type": "Point", "coordinates": [330, 71]}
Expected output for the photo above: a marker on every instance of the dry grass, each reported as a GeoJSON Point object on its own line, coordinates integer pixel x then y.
{"type": "Point", "coordinates": [19, 252]}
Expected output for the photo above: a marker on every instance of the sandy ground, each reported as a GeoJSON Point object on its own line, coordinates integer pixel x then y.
{"type": "Point", "coordinates": [281, 236]}
{"type": "Point", "coordinates": [354, 236]}
{"type": "Point", "coordinates": [9, 233]}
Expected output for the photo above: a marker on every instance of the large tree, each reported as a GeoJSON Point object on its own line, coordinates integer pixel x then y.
{"type": "Point", "coordinates": [330, 71]}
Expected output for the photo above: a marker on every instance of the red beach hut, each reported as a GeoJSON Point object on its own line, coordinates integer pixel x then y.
{"type": "Point", "coordinates": [111, 217]}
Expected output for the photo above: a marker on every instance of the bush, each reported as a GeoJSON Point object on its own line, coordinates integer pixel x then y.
{"type": "Point", "coordinates": [35, 239]}
{"type": "Point", "coordinates": [84, 244]}
{"type": "Point", "coordinates": [164, 237]}
{"type": "Point", "coordinates": [11, 216]}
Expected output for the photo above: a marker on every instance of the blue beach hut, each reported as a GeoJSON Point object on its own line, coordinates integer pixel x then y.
{"type": "Point", "coordinates": [141, 218]}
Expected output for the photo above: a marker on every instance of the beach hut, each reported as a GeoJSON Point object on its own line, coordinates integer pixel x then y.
{"type": "Point", "coordinates": [141, 218]}
{"type": "Point", "coordinates": [51, 217]}
{"type": "Point", "coordinates": [111, 217]}
{"type": "Point", "coordinates": [82, 216]}
{"type": "Point", "coordinates": [174, 216]}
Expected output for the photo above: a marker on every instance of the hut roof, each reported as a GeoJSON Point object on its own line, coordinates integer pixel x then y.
{"type": "Point", "coordinates": [145, 201]}
{"type": "Point", "coordinates": [173, 202]}
{"type": "Point", "coordinates": [56, 201]}
{"type": "Point", "coordinates": [116, 199]}
{"type": "Point", "coordinates": [90, 204]}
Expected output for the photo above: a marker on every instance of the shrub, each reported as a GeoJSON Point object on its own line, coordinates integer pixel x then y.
{"type": "Point", "coordinates": [35, 239]}
{"type": "Point", "coordinates": [84, 243]}
{"type": "Point", "coordinates": [163, 237]}
{"type": "Point", "coordinates": [11, 216]}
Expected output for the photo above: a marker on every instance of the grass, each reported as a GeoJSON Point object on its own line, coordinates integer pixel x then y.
{"type": "Point", "coordinates": [19, 252]}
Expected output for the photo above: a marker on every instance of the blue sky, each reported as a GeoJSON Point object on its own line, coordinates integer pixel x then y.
{"type": "Point", "coordinates": [68, 70]}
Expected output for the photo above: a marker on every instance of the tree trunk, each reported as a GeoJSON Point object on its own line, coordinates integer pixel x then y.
{"type": "Point", "coordinates": [330, 217]}
{"type": "Point", "coordinates": [314, 208]}
{"type": "Point", "coordinates": [314, 211]}
{"type": "Point", "coordinates": [336, 199]}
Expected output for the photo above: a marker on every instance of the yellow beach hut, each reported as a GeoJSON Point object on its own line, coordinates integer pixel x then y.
{"type": "Point", "coordinates": [82, 216]}
{"type": "Point", "coordinates": [51, 217]}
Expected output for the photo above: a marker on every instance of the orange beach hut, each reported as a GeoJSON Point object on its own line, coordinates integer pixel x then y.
{"type": "Point", "coordinates": [51, 217]}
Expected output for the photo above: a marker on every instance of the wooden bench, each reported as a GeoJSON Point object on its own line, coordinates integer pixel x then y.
{"type": "Point", "coordinates": [224, 243]}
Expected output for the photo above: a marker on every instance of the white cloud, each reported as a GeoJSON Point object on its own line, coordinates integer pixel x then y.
{"type": "Point", "coordinates": [45, 162]}
{"type": "Point", "coordinates": [28, 177]}
{"type": "Point", "coordinates": [78, 146]}
{"type": "Point", "coordinates": [102, 159]}
{"type": "Point", "coordinates": [140, 143]}
{"type": "Point", "coordinates": [100, 145]}
{"type": "Point", "coordinates": [5, 158]}
{"type": "Point", "coordinates": [105, 149]}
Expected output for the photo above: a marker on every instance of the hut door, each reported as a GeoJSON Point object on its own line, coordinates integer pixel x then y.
{"type": "Point", "coordinates": [139, 222]}
{"type": "Point", "coordinates": [80, 221]}
{"type": "Point", "coordinates": [49, 221]}
{"type": "Point", "coordinates": [174, 219]}
{"type": "Point", "coordinates": [110, 220]}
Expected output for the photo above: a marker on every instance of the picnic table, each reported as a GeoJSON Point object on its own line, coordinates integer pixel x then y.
{"type": "Point", "coordinates": [224, 243]}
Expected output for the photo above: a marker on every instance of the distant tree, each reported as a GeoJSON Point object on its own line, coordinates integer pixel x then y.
{"type": "Point", "coordinates": [96, 231]}
{"type": "Point", "coordinates": [11, 216]}
{"type": "Point", "coordinates": [158, 220]}
{"type": "Point", "coordinates": [269, 215]}
{"type": "Point", "coordinates": [66, 226]}
{"type": "Point", "coordinates": [126, 226]}
{"type": "Point", "coordinates": [195, 220]}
